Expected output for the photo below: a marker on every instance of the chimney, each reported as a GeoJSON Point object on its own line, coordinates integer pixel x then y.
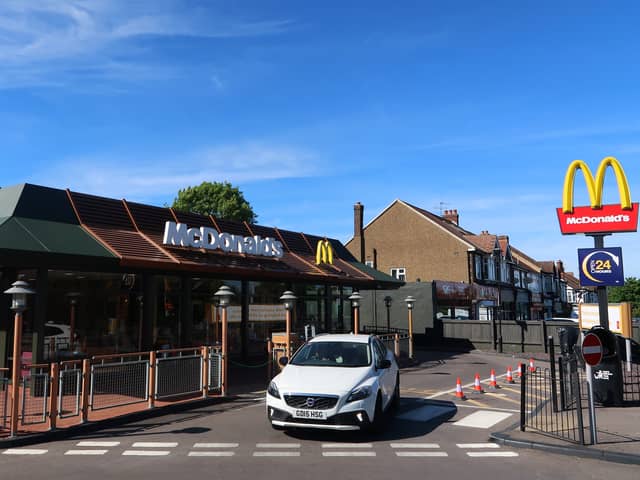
{"type": "Point", "coordinates": [452, 216]}
{"type": "Point", "coordinates": [358, 231]}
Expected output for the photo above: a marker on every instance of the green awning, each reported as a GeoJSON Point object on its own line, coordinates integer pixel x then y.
{"type": "Point", "coordinates": [33, 235]}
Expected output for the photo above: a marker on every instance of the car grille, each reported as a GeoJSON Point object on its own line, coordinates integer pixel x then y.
{"type": "Point", "coordinates": [311, 402]}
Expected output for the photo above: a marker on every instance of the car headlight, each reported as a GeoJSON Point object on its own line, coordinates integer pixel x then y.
{"type": "Point", "coordinates": [273, 390]}
{"type": "Point", "coordinates": [359, 393]}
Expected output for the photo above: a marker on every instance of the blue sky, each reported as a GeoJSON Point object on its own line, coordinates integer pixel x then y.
{"type": "Point", "coordinates": [310, 107]}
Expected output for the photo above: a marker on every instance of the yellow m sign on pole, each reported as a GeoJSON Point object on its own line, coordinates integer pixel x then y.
{"type": "Point", "coordinates": [597, 218]}
{"type": "Point", "coordinates": [324, 252]}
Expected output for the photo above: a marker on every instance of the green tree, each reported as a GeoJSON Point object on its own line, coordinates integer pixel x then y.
{"type": "Point", "coordinates": [218, 198]}
{"type": "Point", "coordinates": [629, 292]}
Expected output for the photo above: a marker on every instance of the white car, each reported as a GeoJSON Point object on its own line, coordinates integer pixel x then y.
{"type": "Point", "coordinates": [337, 382]}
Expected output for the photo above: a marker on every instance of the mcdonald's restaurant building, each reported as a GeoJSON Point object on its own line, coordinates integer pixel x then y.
{"type": "Point", "coordinates": [113, 276]}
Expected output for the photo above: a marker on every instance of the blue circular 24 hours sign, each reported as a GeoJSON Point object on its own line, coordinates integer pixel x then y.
{"type": "Point", "coordinates": [601, 267]}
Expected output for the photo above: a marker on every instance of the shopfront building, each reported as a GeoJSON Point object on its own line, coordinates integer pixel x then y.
{"type": "Point", "coordinates": [113, 276]}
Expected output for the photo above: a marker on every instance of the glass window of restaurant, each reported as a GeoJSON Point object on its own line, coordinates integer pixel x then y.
{"type": "Point", "coordinates": [266, 314]}
{"type": "Point", "coordinates": [92, 313]}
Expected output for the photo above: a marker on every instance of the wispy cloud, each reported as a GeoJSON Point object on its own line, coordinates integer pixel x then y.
{"type": "Point", "coordinates": [38, 38]}
{"type": "Point", "coordinates": [146, 179]}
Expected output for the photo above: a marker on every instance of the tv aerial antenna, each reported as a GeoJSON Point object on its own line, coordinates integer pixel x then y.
{"type": "Point", "coordinates": [441, 206]}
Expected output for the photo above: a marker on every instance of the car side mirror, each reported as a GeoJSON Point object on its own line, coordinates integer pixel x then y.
{"type": "Point", "coordinates": [283, 361]}
{"type": "Point", "coordinates": [386, 363]}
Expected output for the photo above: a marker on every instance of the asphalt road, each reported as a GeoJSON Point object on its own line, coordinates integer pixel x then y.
{"type": "Point", "coordinates": [433, 435]}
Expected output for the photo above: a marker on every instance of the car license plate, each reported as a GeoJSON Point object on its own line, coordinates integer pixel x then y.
{"type": "Point", "coordinates": [312, 414]}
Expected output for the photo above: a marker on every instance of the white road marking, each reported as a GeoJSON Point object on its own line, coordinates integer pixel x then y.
{"type": "Point", "coordinates": [155, 444]}
{"type": "Point", "coordinates": [215, 445]}
{"type": "Point", "coordinates": [24, 451]}
{"type": "Point", "coordinates": [477, 445]}
{"type": "Point", "coordinates": [347, 445]}
{"type": "Point", "coordinates": [426, 413]}
{"type": "Point", "coordinates": [422, 454]}
{"type": "Point", "coordinates": [276, 454]}
{"type": "Point", "coordinates": [85, 452]}
{"type": "Point", "coordinates": [415, 445]}
{"type": "Point", "coordinates": [211, 454]}
{"type": "Point", "coordinates": [510, 410]}
{"type": "Point", "coordinates": [348, 454]}
{"type": "Point", "coordinates": [277, 445]}
{"type": "Point", "coordinates": [145, 453]}
{"type": "Point", "coordinates": [492, 454]}
{"type": "Point", "coordinates": [482, 419]}
{"type": "Point", "coordinates": [88, 443]}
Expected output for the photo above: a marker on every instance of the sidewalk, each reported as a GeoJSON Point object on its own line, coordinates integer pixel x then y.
{"type": "Point", "coordinates": [618, 431]}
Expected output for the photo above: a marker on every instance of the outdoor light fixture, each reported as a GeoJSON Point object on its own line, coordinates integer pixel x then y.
{"type": "Point", "coordinates": [288, 299]}
{"type": "Point", "coordinates": [355, 303]}
{"type": "Point", "coordinates": [388, 301]}
{"type": "Point", "coordinates": [18, 291]}
{"type": "Point", "coordinates": [224, 295]}
{"type": "Point", "coordinates": [410, 301]}
{"type": "Point", "coordinates": [355, 299]}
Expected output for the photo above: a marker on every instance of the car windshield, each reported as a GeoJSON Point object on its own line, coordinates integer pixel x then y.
{"type": "Point", "coordinates": [333, 354]}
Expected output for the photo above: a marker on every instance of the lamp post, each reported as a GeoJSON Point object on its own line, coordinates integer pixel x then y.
{"type": "Point", "coordinates": [18, 291]}
{"type": "Point", "coordinates": [355, 303]}
{"type": "Point", "coordinates": [410, 301]}
{"type": "Point", "coordinates": [288, 299]}
{"type": "Point", "coordinates": [387, 303]}
{"type": "Point", "coordinates": [224, 295]}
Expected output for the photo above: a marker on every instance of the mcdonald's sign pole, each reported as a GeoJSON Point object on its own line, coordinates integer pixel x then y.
{"type": "Point", "coordinates": [597, 220]}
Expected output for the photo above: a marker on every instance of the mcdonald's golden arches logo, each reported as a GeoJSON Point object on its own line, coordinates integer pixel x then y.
{"type": "Point", "coordinates": [597, 218]}
{"type": "Point", "coordinates": [324, 252]}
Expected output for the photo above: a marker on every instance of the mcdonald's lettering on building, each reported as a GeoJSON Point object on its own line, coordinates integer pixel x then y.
{"type": "Point", "coordinates": [597, 218]}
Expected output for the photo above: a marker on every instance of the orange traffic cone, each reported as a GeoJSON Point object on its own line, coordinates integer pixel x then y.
{"type": "Point", "coordinates": [532, 367]}
{"type": "Point", "coordinates": [519, 372]}
{"type": "Point", "coordinates": [510, 375]}
{"type": "Point", "coordinates": [459, 393]}
{"type": "Point", "coordinates": [492, 380]}
{"type": "Point", "coordinates": [476, 384]}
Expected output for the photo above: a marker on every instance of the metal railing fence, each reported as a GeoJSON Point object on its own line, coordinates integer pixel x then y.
{"type": "Point", "coordinates": [215, 371]}
{"type": "Point", "coordinates": [4, 397]}
{"type": "Point", "coordinates": [35, 395]}
{"type": "Point", "coordinates": [118, 380]}
{"type": "Point", "coordinates": [178, 372]}
{"type": "Point", "coordinates": [69, 389]}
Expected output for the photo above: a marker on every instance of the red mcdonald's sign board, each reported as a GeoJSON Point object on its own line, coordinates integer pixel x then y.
{"type": "Point", "coordinates": [597, 218]}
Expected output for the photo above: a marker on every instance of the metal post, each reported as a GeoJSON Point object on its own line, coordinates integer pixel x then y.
{"type": "Point", "coordinates": [204, 352]}
{"type": "Point", "coordinates": [592, 408]}
{"type": "Point", "coordinates": [561, 373]}
{"type": "Point", "coordinates": [411, 333]}
{"type": "Point", "coordinates": [287, 348]}
{"type": "Point", "coordinates": [552, 363]}
{"type": "Point", "coordinates": [396, 345]}
{"type": "Point", "coordinates": [225, 358]}
{"type": "Point", "coordinates": [86, 385]}
{"type": "Point", "coordinates": [523, 397]}
{"type": "Point", "coordinates": [603, 305]}
{"type": "Point", "coordinates": [152, 379]}
{"type": "Point", "coordinates": [53, 398]}
{"type": "Point", "coordinates": [15, 372]}
{"type": "Point", "coordinates": [356, 320]}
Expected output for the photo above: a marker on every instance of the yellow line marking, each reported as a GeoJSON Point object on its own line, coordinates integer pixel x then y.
{"type": "Point", "coordinates": [506, 399]}
{"type": "Point", "coordinates": [475, 402]}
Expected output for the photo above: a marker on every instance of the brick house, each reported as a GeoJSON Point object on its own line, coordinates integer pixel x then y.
{"type": "Point", "coordinates": [474, 276]}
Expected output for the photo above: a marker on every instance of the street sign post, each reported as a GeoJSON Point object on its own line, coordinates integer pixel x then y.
{"type": "Point", "coordinates": [592, 354]}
